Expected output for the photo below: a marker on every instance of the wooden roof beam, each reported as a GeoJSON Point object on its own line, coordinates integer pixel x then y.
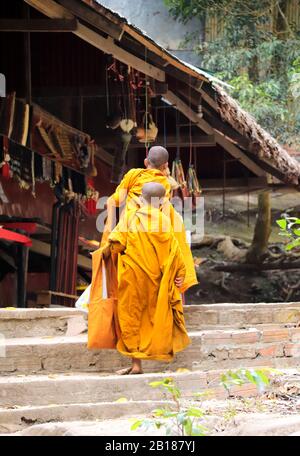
{"type": "Point", "coordinates": [90, 16]}
{"type": "Point", "coordinates": [106, 45]}
{"type": "Point", "coordinates": [220, 139]}
{"type": "Point", "coordinates": [172, 63]}
{"type": "Point", "coordinates": [198, 140]}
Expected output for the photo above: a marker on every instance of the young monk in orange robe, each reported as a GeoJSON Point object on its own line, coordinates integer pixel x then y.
{"type": "Point", "coordinates": [128, 192]}
{"type": "Point", "coordinates": [151, 270]}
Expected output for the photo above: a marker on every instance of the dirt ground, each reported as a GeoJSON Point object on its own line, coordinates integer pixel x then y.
{"type": "Point", "coordinates": [217, 287]}
{"type": "Point", "coordinates": [238, 224]}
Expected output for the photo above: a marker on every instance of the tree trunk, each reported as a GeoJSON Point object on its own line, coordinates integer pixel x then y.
{"type": "Point", "coordinates": [262, 230]}
{"type": "Point", "coordinates": [202, 29]}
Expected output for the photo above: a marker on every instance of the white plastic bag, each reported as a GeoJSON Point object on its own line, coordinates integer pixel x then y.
{"type": "Point", "coordinates": [83, 301]}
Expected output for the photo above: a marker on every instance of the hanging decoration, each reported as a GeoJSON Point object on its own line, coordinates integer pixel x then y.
{"type": "Point", "coordinates": [147, 130]}
{"type": "Point", "coordinates": [121, 86]}
{"type": "Point", "coordinates": [178, 175]}
{"type": "Point", "coordinates": [4, 165]}
{"type": "Point", "coordinates": [91, 198]}
{"type": "Point", "coordinates": [127, 123]}
{"type": "Point", "coordinates": [113, 107]}
{"type": "Point", "coordinates": [177, 168]}
{"type": "Point", "coordinates": [147, 133]}
{"type": "Point", "coordinates": [193, 185]}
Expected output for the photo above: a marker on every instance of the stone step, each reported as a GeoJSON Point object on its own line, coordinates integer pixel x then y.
{"type": "Point", "coordinates": [15, 420]}
{"type": "Point", "coordinates": [86, 397]}
{"type": "Point", "coordinates": [21, 323]}
{"type": "Point", "coordinates": [39, 322]}
{"type": "Point", "coordinates": [85, 388]}
{"type": "Point", "coordinates": [206, 316]}
{"type": "Point", "coordinates": [278, 347]}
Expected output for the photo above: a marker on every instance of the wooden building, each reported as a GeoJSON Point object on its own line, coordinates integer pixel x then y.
{"type": "Point", "coordinates": [75, 70]}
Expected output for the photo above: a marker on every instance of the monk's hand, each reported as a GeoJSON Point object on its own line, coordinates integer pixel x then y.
{"type": "Point", "coordinates": [106, 252]}
{"type": "Point", "coordinates": [179, 282]}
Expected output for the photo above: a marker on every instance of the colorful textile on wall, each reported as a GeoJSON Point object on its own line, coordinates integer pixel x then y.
{"type": "Point", "coordinates": [55, 139]}
{"type": "Point", "coordinates": [48, 135]}
{"type": "Point", "coordinates": [26, 167]}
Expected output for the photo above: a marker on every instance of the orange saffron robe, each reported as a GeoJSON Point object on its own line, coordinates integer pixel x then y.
{"type": "Point", "coordinates": [128, 193]}
{"type": "Point", "coordinates": [150, 311]}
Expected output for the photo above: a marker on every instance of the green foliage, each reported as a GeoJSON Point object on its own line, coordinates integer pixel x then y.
{"type": "Point", "coordinates": [176, 420]}
{"type": "Point", "coordinates": [259, 377]}
{"type": "Point", "coordinates": [186, 421]}
{"type": "Point", "coordinates": [290, 228]}
{"type": "Point", "coordinates": [257, 53]}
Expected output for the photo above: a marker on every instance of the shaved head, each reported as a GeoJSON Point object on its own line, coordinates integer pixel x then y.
{"type": "Point", "coordinates": [158, 156]}
{"type": "Point", "coordinates": [153, 190]}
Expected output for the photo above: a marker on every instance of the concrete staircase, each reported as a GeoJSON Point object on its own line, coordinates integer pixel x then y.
{"type": "Point", "coordinates": [47, 373]}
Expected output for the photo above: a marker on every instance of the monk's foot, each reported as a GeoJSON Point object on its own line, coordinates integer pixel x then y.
{"type": "Point", "coordinates": [129, 371]}
{"type": "Point", "coordinates": [135, 371]}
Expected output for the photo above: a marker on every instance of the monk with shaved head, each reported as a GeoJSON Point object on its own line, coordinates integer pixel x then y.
{"type": "Point", "coordinates": [152, 193]}
{"type": "Point", "coordinates": [129, 192]}
{"type": "Point", "coordinates": [151, 271]}
{"type": "Point", "coordinates": [157, 158]}
{"type": "Point", "coordinates": [149, 249]}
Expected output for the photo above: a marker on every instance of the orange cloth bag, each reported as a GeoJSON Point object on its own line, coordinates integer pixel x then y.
{"type": "Point", "coordinates": [103, 326]}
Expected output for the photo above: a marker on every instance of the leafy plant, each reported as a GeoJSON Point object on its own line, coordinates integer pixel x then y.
{"type": "Point", "coordinates": [186, 421]}
{"type": "Point", "coordinates": [176, 420]}
{"type": "Point", "coordinates": [259, 377]}
{"type": "Point", "coordinates": [290, 227]}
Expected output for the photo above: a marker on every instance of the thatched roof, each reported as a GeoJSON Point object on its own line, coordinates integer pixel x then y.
{"type": "Point", "coordinates": [260, 145]}
{"type": "Point", "coordinates": [263, 145]}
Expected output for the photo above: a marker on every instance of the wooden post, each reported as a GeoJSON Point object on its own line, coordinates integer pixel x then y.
{"type": "Point", "coordinates": [22, 266]}
{"type": "Point", "coordinates": [53, 251]}
{"type": "Point", "coordinates": [262, 229]}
